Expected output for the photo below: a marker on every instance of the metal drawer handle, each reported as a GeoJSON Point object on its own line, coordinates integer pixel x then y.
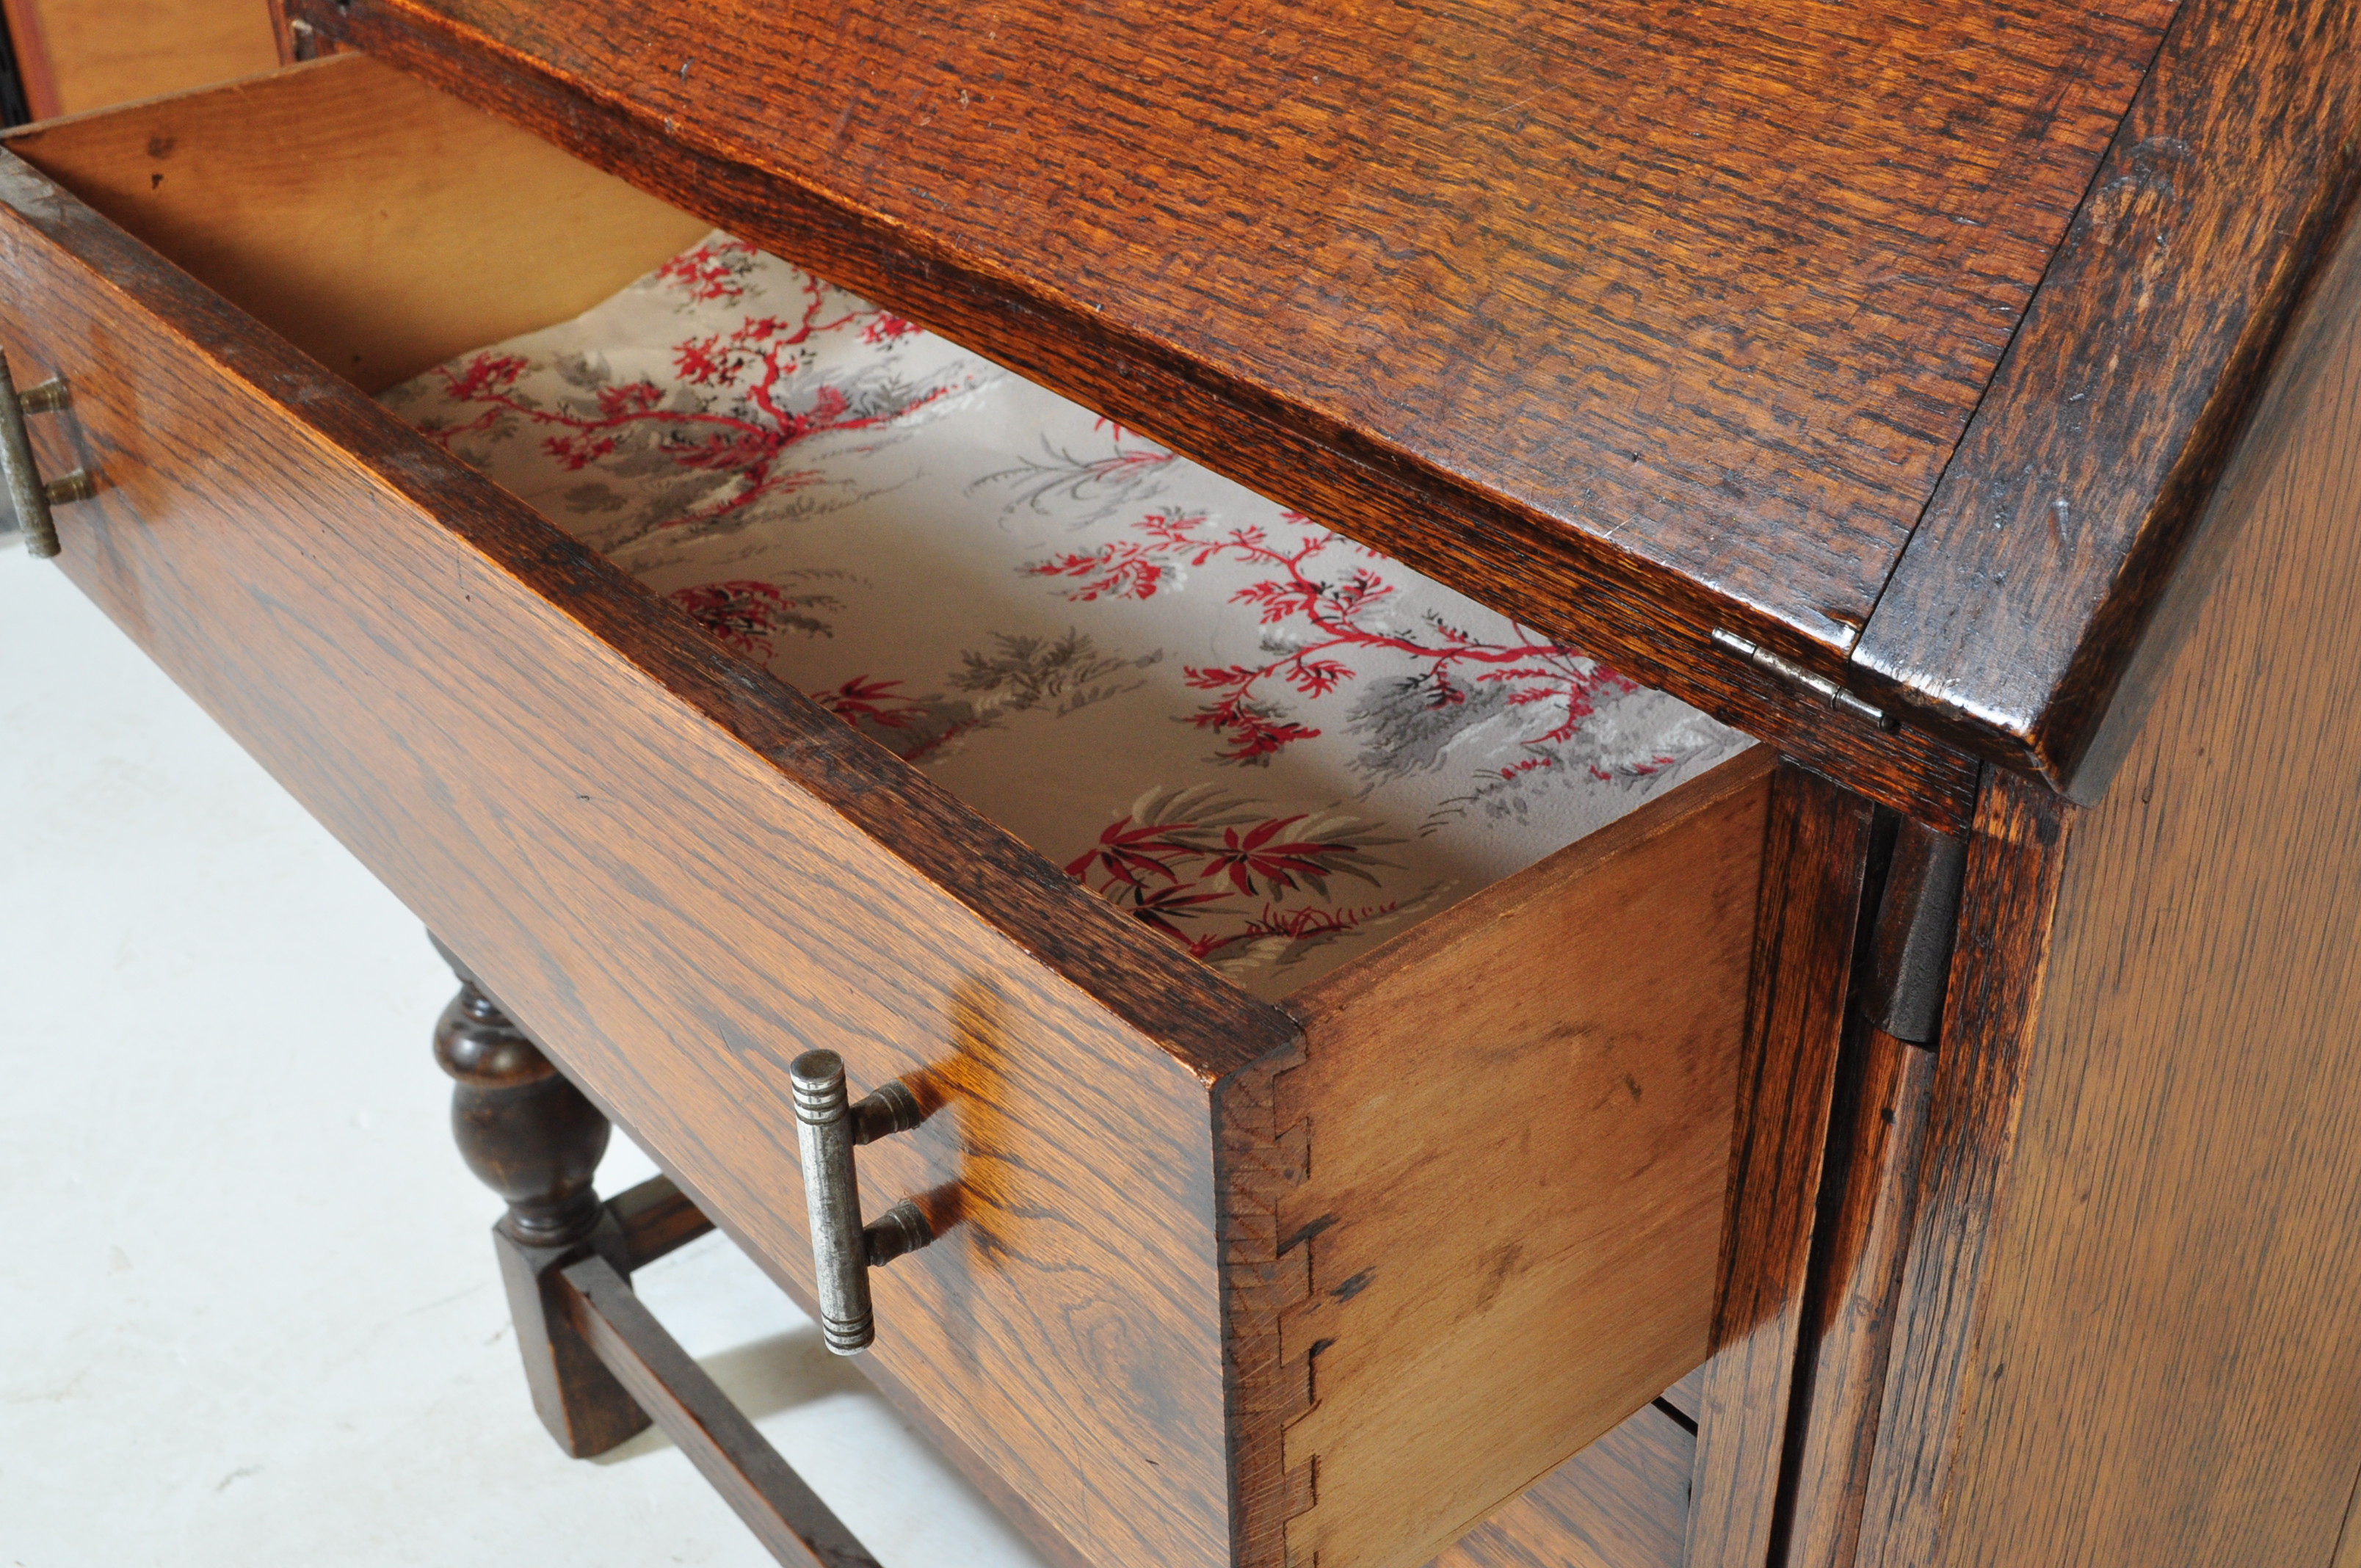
{"type": "Point", "coordinates": [843, 1251]}
{"type": "Point", "coordinates": [31, 498]}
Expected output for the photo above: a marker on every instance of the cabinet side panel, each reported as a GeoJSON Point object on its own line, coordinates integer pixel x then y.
{"type": "Point", "coordinates": [1517, 1126]}
{"type": "Point", "coordinates": [2153, 1361]}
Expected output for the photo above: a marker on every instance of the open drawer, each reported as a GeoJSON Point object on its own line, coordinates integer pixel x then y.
{"type": "Point", "coordinates": [1221, 1280]}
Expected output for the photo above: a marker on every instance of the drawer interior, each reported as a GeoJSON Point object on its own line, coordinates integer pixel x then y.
{"type": "Point", "coordinates": [1257, 738]}
{"type": "Point", "coordinates": [378, 225]}
{"type": "Point", "coordinates": [1488, 1195]}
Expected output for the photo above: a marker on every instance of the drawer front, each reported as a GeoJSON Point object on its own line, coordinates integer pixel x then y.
{"type": "Point", "coordinates": [675, 872]}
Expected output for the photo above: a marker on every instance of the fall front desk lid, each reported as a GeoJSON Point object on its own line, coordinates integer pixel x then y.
{"type": "Point", "coordinates": [1649, 320]}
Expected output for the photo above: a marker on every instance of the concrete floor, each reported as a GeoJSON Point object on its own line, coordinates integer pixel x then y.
{"type": "Point", "coordinates": [249, 1312]}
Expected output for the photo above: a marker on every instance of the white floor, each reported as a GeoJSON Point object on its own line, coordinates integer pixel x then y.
{"type": "Point", "coordinates": [249, 1312]}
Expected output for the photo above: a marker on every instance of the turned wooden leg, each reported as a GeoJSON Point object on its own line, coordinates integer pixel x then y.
{"type": "Point", "coordinates": [568, 1258]}
{"type": "Point", "coordinates": [534, 1139]}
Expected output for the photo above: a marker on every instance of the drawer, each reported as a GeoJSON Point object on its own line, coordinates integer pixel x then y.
{"type": "Point", "coordinates": [1222, 1280]}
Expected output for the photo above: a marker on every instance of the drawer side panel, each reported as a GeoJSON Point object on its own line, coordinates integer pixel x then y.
{"type": "Point", "coordinates": [1516, 1123]}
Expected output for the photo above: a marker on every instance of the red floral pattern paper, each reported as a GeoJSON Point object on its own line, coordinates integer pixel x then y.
{"type": "Point", "coordinates": [1264, 740]}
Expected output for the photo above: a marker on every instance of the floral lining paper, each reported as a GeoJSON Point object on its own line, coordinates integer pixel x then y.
{"type": "Point", "coordinates": [1269, 744]}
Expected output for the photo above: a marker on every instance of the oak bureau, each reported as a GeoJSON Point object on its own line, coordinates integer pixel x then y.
{"type": "Point", "coordinates": [1928, 1136]}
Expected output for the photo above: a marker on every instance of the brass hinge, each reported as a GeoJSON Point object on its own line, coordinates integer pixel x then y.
{"type": "Point", "coordinates": [1787, 670]}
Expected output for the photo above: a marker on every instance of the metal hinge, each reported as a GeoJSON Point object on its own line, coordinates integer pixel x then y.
{"type": "Point", "coordinates": [1910, 945]}
{"type": "Point", "coordinates": [1787, 670]}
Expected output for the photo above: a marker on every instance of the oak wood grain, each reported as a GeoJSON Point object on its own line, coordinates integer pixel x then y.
{"type": "Point", "coordinates": [1519, 1118]}
{"type": "Point", "coordinates": [370, 219]}
{"type": "Point", "coordinates": [1621, 1502]}
{"type": "Point", "coordinates": [2127, 1332]}
{"type": "Point", "coordinates": [2349, 1548]}
{"type": "Point", "coordinates": [2028, 585]}
{"type": "Point", "coordinates": [676, 873]}
{"type": "Point", "coordinates": [1713, 289]}
{"type": "Point", "coordinates": [1880, 1119]}
{"type": "Point", "coordinates": [1247, 261]}
{"type": "Point", "coordinates": [1805, 934]}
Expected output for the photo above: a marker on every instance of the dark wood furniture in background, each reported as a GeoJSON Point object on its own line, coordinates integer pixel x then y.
{"type": "Point", "coordinates": [1965, 402]}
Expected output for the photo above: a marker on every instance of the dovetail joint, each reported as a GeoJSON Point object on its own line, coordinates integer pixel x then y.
{"type": "Point", "coordinates": [1267, 1277]}
{"type": "Point", "coordinates": [1300, 1257]}
{"type": "Point", "coordinates": [1787, 670]}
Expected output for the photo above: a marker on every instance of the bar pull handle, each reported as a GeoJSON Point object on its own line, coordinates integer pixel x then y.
{"type": "Point", "coordinates": [827, 1128]}
{"type": "Point", "coordinates": [29, 496]}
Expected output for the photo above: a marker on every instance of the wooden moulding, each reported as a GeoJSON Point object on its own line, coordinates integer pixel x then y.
{"type": "Point", "coordinates": [1188, 1269]}
{"type": "Point", "coordinates": [1867, 1202]}
{"type": "Point", "coordinates": [1592, 585]}
{"type": "Point", "coordinates": [1805, 940]}
{"type": "Point", "coordinates": [2011, 622]}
